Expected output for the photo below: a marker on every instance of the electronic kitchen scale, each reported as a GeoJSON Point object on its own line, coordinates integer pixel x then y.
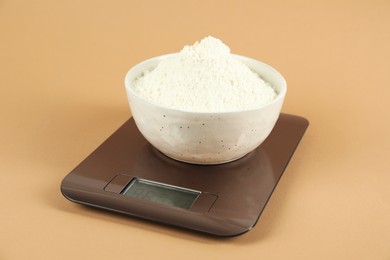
{"type": "Point", "coordinates": [127, 175]}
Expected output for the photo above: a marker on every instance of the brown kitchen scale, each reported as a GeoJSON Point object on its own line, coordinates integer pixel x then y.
{"type": "Point", "coordinates": [128, 175]}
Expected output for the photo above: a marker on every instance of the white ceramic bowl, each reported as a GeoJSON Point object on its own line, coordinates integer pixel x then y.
{"type": "Point", "coordinates": [202, 137]}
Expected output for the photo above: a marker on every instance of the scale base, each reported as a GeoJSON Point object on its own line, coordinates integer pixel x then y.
{"type": "Point", "coordinates": [232, 195]}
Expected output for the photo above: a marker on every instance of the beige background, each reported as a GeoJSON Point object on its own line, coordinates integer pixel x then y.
{"type": "Point", "coordinates": [62, 67]}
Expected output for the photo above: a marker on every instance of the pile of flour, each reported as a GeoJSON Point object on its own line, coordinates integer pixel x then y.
{"type": "Point", "coordinates": [204, 77]}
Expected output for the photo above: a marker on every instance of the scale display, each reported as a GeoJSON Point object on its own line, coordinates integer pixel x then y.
{"type": "Point", "coordinates": [125, 174]}
{"type": "Point", "coordinates": [161, 193]}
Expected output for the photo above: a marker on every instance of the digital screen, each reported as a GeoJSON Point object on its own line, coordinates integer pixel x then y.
{"type": "Point", "coordinates": [161, 193]}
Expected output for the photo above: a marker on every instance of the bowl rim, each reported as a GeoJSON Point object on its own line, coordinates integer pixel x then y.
{"type": "Point", "coordinates": [279, 96]}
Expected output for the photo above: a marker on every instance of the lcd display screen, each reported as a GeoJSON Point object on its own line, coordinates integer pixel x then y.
{"type": "Point", "coordinates": [161, 193]}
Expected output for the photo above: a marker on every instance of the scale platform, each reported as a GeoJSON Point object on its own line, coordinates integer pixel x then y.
{"type": "Point", "coordinates": [128, 175]}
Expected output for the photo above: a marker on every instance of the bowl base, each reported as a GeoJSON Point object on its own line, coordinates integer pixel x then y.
{"type": "Point", "coordinates": [206, 162]}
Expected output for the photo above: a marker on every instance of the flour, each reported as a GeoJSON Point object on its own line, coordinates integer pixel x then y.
{"type": "Point", "coordinates": [204, 77]}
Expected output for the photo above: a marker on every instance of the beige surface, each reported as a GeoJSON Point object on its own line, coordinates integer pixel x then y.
{"type": "Point", "coordinates": [62, 65]}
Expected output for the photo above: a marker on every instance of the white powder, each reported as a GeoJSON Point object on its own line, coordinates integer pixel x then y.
{"type": "Point", "coordinates": [204, 77]}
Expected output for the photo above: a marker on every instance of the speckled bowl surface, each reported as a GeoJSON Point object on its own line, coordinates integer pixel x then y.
{"type": "Point", "coordinates": [202, 137]}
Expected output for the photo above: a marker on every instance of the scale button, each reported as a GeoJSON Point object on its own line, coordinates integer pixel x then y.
{"type": "Point", "coordinates": [204, 202]}
{"type": "Point", "coordinates": [117, 184]}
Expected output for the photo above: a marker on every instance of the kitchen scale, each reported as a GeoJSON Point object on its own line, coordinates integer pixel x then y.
{"type": "Point", "coordinates": [128, 175]}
